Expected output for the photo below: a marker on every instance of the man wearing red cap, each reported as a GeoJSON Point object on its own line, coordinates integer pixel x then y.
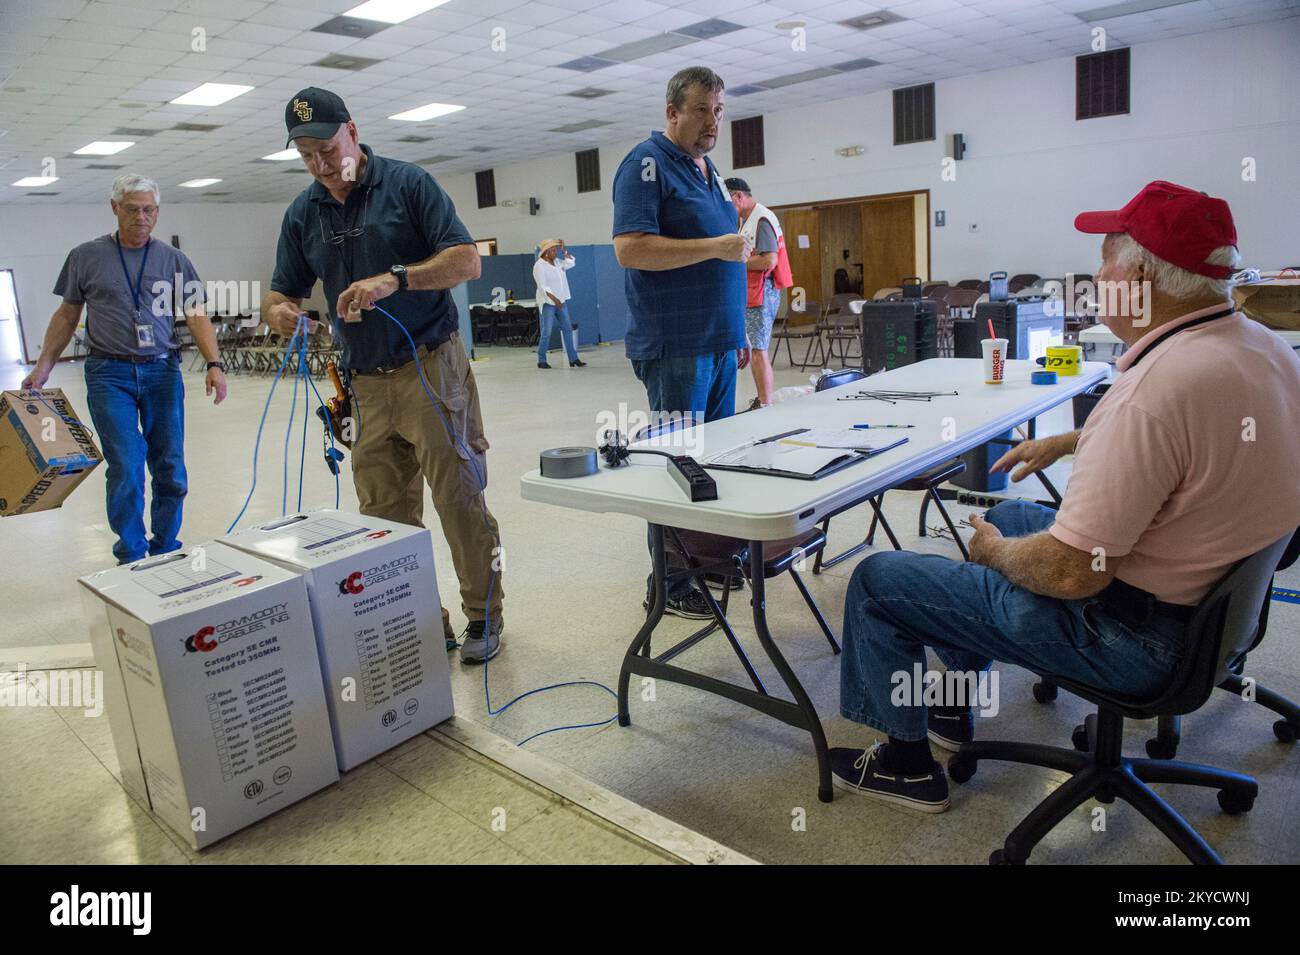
{"type": "Point", "coordinates": [1154, 514]}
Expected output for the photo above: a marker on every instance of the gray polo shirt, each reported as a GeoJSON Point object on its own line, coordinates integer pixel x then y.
{"type": "Point", "coordinates": [93, 276]}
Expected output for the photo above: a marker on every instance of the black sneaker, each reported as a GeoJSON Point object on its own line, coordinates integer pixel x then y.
{"type": "Point", "coordinates": [692, 606]}
{"type": "Point", "coordinates": [950, 726]}
{"type": "Point", "coordinates": [862, 771]}
{"type": "Point", "coordinates": [542, 364]}
{"type": "Point", "coordinates": [578, 364]}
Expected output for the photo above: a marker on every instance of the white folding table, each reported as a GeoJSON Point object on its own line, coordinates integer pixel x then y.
{"type": "Point", "coordinates": [758, 508]}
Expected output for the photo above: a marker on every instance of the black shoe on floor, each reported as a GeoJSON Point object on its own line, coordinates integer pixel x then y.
{"type": "Point", "coordinates": [862, 771]}
{"type": "Point", "coordinates": [950, 726]}
{"type": "Point", "coordinates": [542, 364]}
{"type": "Point", "coordinates": [692, 606]}
{"type": "Point", "coordinates": [578, 364]}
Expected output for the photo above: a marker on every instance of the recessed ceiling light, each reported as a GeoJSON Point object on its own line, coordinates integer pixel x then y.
{"type": "Point", "coordinates": [199, 183]}
{"type": "Point", "coordinates": [28, 182]}
{"type": "Point", "coordinates": [427, 111]}
{"type": "Point", "coordinates": [283, 154]}
{"type": "Point", "coordinates": [211, 94]}
{"type": "Point", "coordinates": [102, 148]}
{"type": "Point", "coordinates": [392, 11]}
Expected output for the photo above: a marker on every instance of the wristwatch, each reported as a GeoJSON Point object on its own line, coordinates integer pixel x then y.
{"type": "Point", "coordinates": [400, 272]}
{"type": "Point", "coordinates": [221, 365]}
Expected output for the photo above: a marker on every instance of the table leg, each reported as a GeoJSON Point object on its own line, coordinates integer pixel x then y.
{"type": "Point", "coordinates": [641, 643]}
{"type": "Point", "coordinates": [811, 721]}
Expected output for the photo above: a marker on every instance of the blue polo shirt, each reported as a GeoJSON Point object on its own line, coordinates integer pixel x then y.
{"type": "Point", "coordinates": [692, 310]}
{"type": "Point", "coordinates": [404, 217]}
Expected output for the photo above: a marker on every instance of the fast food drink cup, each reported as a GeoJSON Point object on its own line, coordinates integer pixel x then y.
{"type": "Point", "coordinates": [995, 360]}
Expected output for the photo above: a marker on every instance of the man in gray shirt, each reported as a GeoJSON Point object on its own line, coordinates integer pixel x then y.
{"type": "Point", "coordinates": [130, 285]}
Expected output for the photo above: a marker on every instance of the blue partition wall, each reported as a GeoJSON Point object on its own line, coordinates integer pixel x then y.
{"type": "Point", "coordinates": [598, 305]}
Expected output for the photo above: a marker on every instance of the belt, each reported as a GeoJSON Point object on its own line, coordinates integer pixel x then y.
{"type": "Point", "coordinates": [1135, 606]}
{"type": "Point", "coordinates": [136, 359]}
{"type": "Point", "coordinates": [421, 350]}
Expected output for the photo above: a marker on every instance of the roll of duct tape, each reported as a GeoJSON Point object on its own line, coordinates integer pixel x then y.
{"type": "Point", "coordinates": [568, 462]}
{"type": "Point", "coordinates": [1043, 377]}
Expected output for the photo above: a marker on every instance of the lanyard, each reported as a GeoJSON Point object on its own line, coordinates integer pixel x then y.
{"type": "Point", "coordinates": [139, 279]}
{"type": "Point", "coordinates": [1230, 310]}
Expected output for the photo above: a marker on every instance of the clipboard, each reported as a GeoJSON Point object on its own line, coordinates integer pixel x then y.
{"type": "Point", "coordinates": [849, 459]}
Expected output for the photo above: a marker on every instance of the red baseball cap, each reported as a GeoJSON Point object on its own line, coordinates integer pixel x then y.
{"type": "Point", "coordinates": [1180, 225]}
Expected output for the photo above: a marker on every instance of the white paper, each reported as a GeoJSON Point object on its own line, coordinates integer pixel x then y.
{"type": "Point", "coordinates": [803, 242]}
{"type": "Point", "coordinates": [778, 456]}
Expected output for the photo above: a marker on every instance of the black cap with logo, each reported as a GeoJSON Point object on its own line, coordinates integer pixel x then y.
{"type": "Point", "coordinates": [316, 113]}
{"type": "Point", "coordinates": [735, 184]}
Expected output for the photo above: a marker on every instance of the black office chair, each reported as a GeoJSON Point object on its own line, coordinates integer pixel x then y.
{"type": "Point", "coordinates": [1164, 745]}
{"type": "Point", "coordinates": [1223, 627]}
{"type": "Point", "coordinates": [695, 554]}
{"type": "Point", "coordinates": [927, 482]}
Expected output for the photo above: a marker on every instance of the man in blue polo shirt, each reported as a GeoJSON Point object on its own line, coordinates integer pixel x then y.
{"type": "Point", "coordinates": [377, 229]}
{"type": "Point", "coordinates": [675, 233]}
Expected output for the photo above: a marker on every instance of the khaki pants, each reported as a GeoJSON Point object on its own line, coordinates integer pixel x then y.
{"type": "Point", "coordinates": [402, 441]}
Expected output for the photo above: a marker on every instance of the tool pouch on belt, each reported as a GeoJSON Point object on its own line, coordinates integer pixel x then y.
{"type": "Point", "coordinates": [338, 409]}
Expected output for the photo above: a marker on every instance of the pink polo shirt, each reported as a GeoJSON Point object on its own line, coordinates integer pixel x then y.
{"type": "Point", "coordinates": [1191, 461]}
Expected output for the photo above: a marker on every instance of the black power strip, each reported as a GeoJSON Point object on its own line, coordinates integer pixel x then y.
{"type": "Point", "coordinates": [692, 478]}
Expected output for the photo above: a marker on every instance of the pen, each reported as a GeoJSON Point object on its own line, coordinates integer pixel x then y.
{"type": "Point", "coordinates": [864, 427]}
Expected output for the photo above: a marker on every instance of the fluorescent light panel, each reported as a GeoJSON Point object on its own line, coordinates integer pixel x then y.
{"type": "Point", "coordinates": [102, 148]}
{"type": "Point", "coordinates": [211, 94]}
{"type": "Point", "coordinates": [392, 11]}
{"type": "Point", "coordinates": [29, 182]}
{"type": "Point", "coordinates": [427, 111]}
{"type": "Point", "coordinates": [283, 154]}
{"type": "Point", "coordinates": [199, 183]}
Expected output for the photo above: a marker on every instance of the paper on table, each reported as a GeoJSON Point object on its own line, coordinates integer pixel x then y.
{"type": "Point", "coordinates": [777, 456]}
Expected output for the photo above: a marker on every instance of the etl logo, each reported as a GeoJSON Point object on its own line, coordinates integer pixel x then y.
{"type": "Point", "coordinates": [351, 584]}
{"type": "Point", "coordinates": [201, 642]}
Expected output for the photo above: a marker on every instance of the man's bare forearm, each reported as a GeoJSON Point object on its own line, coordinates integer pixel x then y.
{"type": "Point", "coordinates": [63, 325]}
{"type": "Point", "coordinates": [657, 253]}
{"type": "Point", "coordinates": [272, 299]}
{"type": "Point", "coordinates": [761, 262]}
{"type": "Point", "coordinates": [445, 269]}
{"type": "Point", "coordinates": [1042, 564]}
{"type": "Point", "coordinates": [205, 339]}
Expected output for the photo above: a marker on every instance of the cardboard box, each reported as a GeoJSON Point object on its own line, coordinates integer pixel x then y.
{"type": "Point", "coordinates": [374, 601]}
{"type": "Point", "coordinates": [1274, 300]}
{"type": "Point", "coordinates": [45, 451]}
{"type": "Point", "coordinates": [212, 687]}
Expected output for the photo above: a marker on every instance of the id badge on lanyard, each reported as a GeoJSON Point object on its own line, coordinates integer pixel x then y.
{"type": "Point", "coordinates": [144, 333]}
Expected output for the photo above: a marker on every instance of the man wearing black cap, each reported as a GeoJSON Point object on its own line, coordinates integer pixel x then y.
{"type": "Point", "coordinates": [377, 229]}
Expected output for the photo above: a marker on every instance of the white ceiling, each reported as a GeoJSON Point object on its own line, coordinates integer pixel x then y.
{"type": "Point", "coordinates": [73, 71]}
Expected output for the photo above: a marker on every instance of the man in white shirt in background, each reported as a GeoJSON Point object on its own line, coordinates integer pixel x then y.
{"type": "Point", "coordinates": [767, 271]}
{"type": "Point", "coordinates": [553, 296]}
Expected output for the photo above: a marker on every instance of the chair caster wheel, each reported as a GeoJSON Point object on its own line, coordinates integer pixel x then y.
{"type": "Point", "coordinates": [999, 857]}
{"type": "Point", "coordinates": [1158, 748]}
{"type": "Point", "coordinates": [1045, 692]}
{"type": "Point", "coordinates": [961, 768]}
{"type": "Point", "coordinates": [1284, 731]}
{"type": "Point", "coordinates": [1105, 796]}
{"type": "Point", "coordinates": [1080, 738]}
{"type": "Point", "coordinates": [1234, 803]}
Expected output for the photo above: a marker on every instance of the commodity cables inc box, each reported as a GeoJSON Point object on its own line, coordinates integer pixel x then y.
{"type": "Point", "coordinates": [374, 601]}
{"type": "Point", "coordinates": [212, 687]}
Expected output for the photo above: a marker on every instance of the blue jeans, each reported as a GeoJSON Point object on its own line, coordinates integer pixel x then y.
{"type": "Point", "coordinates": [899, 603]}
{"type": "Point", "coordinates": [702, 386]}
{"type": "Point", "coordinates": [549, 316]}
{"type": "Point", "coordinates": [126, 399]}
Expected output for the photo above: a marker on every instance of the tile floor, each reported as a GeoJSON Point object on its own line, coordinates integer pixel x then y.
{"type": "Point", "coordinates": [573, 583]}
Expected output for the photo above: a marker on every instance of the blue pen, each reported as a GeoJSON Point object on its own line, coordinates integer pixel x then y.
{"type": "Point", "coordinates": [864, 427]}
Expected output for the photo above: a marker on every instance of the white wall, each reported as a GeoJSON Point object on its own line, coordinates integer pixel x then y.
{"type": "Point", "coordinates": [1200, 104]}
{"type": "Point", "coordinates": [225, 242]}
